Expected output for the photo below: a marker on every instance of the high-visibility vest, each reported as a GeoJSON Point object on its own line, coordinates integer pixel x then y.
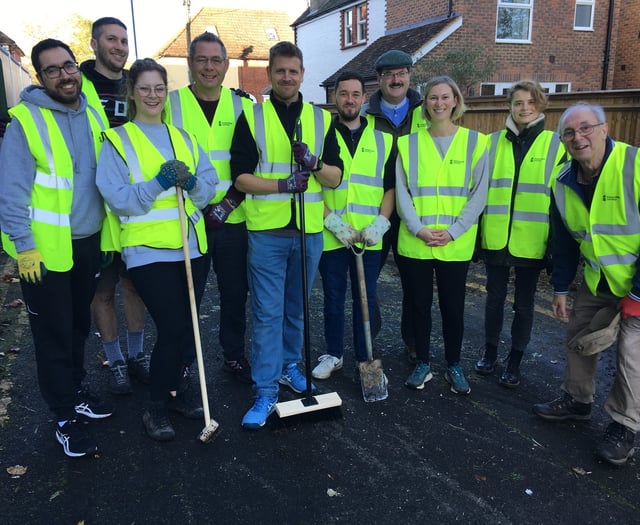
{"type": "Point", "coordinates": [608, 233]}
{"type": "Point", "coordinates": [525, 227]}
{"type": "Point", "coordinates": [272, 211]}
{"type": "Point", "coordinates": [358, 198]}
{"type": "Point", "coordinates": [160, 226]}
{"type": "Point", "coordinates": [93, 100]}
{"type": "Point", "coordinates": [184, 111]}
{"type": "Point", "coordinates": [440, 190]}
{"type": "Point", "coordinates": [52, 191]}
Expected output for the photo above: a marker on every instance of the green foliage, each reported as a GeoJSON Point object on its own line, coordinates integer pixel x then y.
{"type": "Point", "coordinates": [465, 65]}
{"type": "Point", "coordinates": [80, 40]}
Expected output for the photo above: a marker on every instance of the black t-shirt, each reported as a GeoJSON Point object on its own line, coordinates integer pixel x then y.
{"type": "Point", "coordinates": [112, 93]}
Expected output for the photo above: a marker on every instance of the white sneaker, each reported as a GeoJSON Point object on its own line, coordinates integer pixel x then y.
{"type": "Point", "coordinates": [327, 365]}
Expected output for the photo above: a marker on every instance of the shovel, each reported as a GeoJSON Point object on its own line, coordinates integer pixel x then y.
{"type": "Point", "coordinates": [372, 378]}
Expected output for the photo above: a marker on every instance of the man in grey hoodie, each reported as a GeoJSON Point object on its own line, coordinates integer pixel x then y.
{"type": "Point", "coordinates": [51, 215]}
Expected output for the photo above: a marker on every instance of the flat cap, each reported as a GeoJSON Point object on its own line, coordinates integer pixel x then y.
{"type": "Point", "coordinates": [392, 59]}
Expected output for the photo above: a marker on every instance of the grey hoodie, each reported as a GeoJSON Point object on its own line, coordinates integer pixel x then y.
{"type": "Point", "coordinates": [18, 169]}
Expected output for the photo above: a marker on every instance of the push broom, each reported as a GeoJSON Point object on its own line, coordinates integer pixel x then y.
{"type": "Point", "coordinates": [310, 402]}
{"type": "Point", "coordinates": [211, 426]}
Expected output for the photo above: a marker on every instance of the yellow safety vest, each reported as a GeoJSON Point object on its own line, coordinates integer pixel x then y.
{"type": "Point", "coordinates": [160, 226]}
{"type": "Point", "coordinates": [608, 233]}
{"type": "Point", "coordinates": [440, 190]}
{"type": "Point", "coordinates": [184, 111]}
{"type": "Point", "coordinates": [272, 211]}
{"type": "Point", "coordinates": [525, 227]}
{"type": "Point", "coordinates": [418, 122]}
{"type": "Point", "coordinates": [358, 198]}
{"type": "Point", "coordinates": [52, 191]}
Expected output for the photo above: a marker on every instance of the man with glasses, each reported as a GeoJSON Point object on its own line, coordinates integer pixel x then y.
{"type": "Point", "coordinates": [104, 81]}
{"type": "Point", "coordinates": [395, 108]}
{"type": "Point", "coordinates": [210, 111]}
{"type": "Point", "coordinates": [595, 215]}
{"type": "Point", "coordinates": [51, 214]}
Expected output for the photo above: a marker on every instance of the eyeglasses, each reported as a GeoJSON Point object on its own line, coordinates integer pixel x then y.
{"type": "Point", "coordinates": [389, 74]}
{"type": "Point", "coordinates": [203, 61]}
{"type": "Point", "coordinates": [145, 91]}
{"type": "Point", "coordinates": [51, 72]}
{"type": "Point", "coordinates": [584, 131]}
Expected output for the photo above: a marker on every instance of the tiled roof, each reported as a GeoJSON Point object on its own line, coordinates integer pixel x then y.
{"type": "Point", "coordinates": [410, 41]}
{"type": "Point", "coordinates": [326, 7]}
{"type": "Point", "coordinates": [243, 31]}
{"type": "Point", "coordinates": [13, 47]}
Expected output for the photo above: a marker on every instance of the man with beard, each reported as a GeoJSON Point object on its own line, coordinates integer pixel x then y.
{"type": "Point", "coordinates": [396, 109]}
{"type": "Point", "coordinates": [281, 147]}
{"type": "Point", "coordinates": [51, 214]}
{"type": "Point", "coordinates": [357, 211]}
{"type": "Point", "coordinates": [104, 81]}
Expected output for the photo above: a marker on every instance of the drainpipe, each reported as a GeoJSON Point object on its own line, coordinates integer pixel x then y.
{"type": "Point", "coordinates": [607, 47]}
{"type": "Point", "coordinates": [450, 8]}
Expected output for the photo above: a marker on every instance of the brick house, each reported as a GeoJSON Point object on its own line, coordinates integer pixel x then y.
{"type": "Point", "coordinates": [247, 34]}
{"type": "Point", "coordinates": [566, 45]}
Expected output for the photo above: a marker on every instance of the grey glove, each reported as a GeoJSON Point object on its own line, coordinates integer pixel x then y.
{"type": "Point", "coordinates": [373, 233]}
{"type": "Point", "coordinates": [343, 231]}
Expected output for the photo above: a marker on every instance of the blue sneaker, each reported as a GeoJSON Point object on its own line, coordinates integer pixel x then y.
{"type": "Point", "coordinates": [455, 377]}
{"type": "Point", "coordinates": [420, 375]}
{"type": "Point", "coordinates": [293, 378]}
{"type": "Point", "coordinates": [257, 415]}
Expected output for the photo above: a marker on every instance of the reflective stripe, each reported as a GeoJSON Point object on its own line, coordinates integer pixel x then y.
{"type": "Point", "coordinates": [49, 217]}
{"type": "Point", "coordinates": [363, 209]}
{"type": "Point", "coordinates": [133, 162]}
{"type": "Point", "coordinates": [52, 181]}
{"type": "Point", "coordinates": [176, 109]}
{"type": "Point", "coordinates": [531, 216]}
{"type": "Point", "coordinates": [43, 132]}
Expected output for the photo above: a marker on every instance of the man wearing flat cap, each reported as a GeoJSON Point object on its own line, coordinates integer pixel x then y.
{"type": "Point", "coordinates": [395, 108]}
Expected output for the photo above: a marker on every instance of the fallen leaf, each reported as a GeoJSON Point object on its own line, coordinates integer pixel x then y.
{"type": "Point", "coordinates": [14, 350]}
{"type": "Point", "coordinates": [528, 492]}
{"type": "Point", "coordinates": [333, 493]}
{"type": "Point", "coordinates": [15, 303]}
{"type": "Point", "coordinates": [8, 278]}
{"type": "Point", "coordinates": [480, 477]}
{"type": "Point", "coordinates": [55, 495]}
{"type": "Point", "coordinates": [580, 471]}
{"type": "Point", "coordinates": [16, 470]}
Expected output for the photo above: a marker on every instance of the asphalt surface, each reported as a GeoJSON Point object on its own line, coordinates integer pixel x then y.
{"type": "Point", "coordinates": [417, 457]}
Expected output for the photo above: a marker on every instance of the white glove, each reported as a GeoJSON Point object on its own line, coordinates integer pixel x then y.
{"type": "Point", "coordinates": [373, 233]}
{"type": "Point", "coordinates": [343, 231]}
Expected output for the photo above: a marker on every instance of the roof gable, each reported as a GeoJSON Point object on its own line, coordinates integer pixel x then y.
{"type": "Point", "coordinates": [243, 31]}
{"type": "Point", "coordinates": [325, 7]}
{"type": "Point", "coordinates": [410, 41]}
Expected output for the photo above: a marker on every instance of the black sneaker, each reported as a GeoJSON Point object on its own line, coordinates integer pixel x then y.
{"type": "Point", "coordinates": [186, 404]}
{"type": "Point", "coordinates": [90, 405]}
{"type": "Point", "coordinates": [119, 380]}
{"type": "Point", "coordinates": [74, 439]}
{"type": "Point", "coordinates": [565, 407]}
{"type": "Point", "coordinates": [140, 367]}
{"type": "Point", "coordinates": [510, 377]}
{"type": "Point", "coordinates": [156, 422]}
{"type": "Point", "coordinates": [485, 366]}
{"type": "Point", "coordinates": [616, 446]}
{"type": "Point", "coordinates": [240, 368]}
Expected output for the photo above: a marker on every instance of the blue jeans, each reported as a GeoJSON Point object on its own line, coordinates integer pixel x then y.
{"type": "Point", "coordinates": [277, 320]}
{"type": "Point", "coordinates": [334, 267]}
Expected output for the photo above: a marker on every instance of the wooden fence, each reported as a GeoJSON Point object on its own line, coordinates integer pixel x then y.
{"type": "Point", "coordinates": [488, 114]}
{"type": "Point", "coordinates": [622, 109]}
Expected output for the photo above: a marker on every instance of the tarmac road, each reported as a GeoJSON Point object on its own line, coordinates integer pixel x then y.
{"type": "Point", "coordinates": [418, 457]}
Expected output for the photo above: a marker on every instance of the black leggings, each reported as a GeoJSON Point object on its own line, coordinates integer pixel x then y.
{"type": "Point", "coordinates": [163, 288]}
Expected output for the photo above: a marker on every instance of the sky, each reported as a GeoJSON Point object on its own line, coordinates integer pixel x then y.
{"type": "Point", "coordinates": [156, 21]}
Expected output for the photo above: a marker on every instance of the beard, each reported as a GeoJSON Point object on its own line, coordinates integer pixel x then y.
{"type": "Point", "coordinates": [106, 60]}
{"type": "Point", "coordinates": [349, 115]}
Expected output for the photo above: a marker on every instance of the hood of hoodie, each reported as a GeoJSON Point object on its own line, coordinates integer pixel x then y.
{"type": "Point", "coordinates": [38, 96]}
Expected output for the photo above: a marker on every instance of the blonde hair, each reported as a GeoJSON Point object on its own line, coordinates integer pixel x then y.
{"type": "Point", "coordinates": [459, 108]}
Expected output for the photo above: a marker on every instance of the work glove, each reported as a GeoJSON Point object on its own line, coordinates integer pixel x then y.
{"type": "Point", "coordinates": [295, 183]}
{"type": "Point", "coordinates": [167, 175]}
{"type": "Point", "coordinates": [106, 258]}
{"type": "Point", "coordinates": [216, 214]}
{"type": "Point", "coordinates": [303, 155]}
{"type": "Point", "coordinates": [629, 307]}
{"type": "Point", "coordinates": [373, 233]}
{"type": "Point", "coordinates": [187, 183]}
{"type": "Point", "coordinates": [31, 266]}
{"type": "Point", "coordinates": [343, 231]}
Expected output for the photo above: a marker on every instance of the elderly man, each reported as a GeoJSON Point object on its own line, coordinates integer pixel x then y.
{"type": "Point", "coordinates": [395, 108]}
{"type": "Point", "coordinates": [596, 215]}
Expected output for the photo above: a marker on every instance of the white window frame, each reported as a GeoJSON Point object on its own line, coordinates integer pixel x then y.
{"type": "Point", "coordinates": [501, 88]}
{"type": "Point", "coordinates": [511, 4]}
{"type": "Point", "coordinates": [584, 3]}
{"type": "Point", "coordinates": [354, 25]}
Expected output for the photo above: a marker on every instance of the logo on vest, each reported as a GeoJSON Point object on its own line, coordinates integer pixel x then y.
{"type": "Point", "coordinates": [454, 161]}
{"type": "Point", "coordinates": [367, 150]}
{"type": "Point", "coordinates": [538, 159]}
{"type": "Point", "coordinates": [224, 123]}
{"type": "Point", "coordinates": [606, 198]}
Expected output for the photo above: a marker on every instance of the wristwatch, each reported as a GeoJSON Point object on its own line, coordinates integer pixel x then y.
{"type": "Point", "coordinates": [319, 166]}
